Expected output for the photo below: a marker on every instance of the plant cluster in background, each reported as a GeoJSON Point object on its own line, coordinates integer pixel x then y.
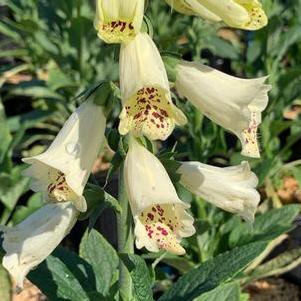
{"type": "Point", "coordinates": [50, 53]}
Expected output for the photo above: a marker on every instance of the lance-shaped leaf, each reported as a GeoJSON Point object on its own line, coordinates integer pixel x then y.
{"type": "Point", "coordinates": [213, 272]}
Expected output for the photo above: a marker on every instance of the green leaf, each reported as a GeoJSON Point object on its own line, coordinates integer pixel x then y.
{"type": "Point", "coordinates": [95, 296]}
{"type": "Point", "coordinates": [64, 276]}
{"type": "Point", "coordinates": [278, 265]}
{"type": "Point", "coordinates": [226, 292]}
{"type": "Point", "coordinates": [58, 79]}
{"type": "Point", "coordinates": [5, 135]}
{"type": "Point", "coordinates": [254, 51]}
{"type": "Point", "coordinates": [28, 120]}
{"type": "Point", "coordinates": [140, 276]}
{"type": "Point", "coordinates": [12, 186]}
{"type": "Point", "coordinates": [103, 258]}
{"type": "Point", "coordinates": [224, 49]}
{"type": "Point", "coordinates": [35, 91]}
{"type": "Point", "coordinates": [244, 297]}
{"type": "Point", "coordinates": [213, 272]}
{"type": "Point", "coordinates": [13, 53]}
{"type": "Point", "coordinates": [171, 167]}
{"type": "Point", "coordinates": [113, 139]}
{"type": "Point", "coordinates": [182, 264]}
{"type": "Point", "coordinates": [34, 203]}
{"type": "Point", "coordinates": [98, 200]}
{"type": "Point", "coordinates": [115, 164]}
{"type": "Point", "coordinates": [8, 31]}
{"type": "Point", "coordinates": [266, 227]}
{"type": "Point", "coordinates": [5, 285]}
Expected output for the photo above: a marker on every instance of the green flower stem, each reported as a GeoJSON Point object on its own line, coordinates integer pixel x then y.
{"type": "Point", "coordinates": [125, 239]}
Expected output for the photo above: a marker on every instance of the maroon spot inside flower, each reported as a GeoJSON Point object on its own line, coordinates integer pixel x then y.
{"type": "Point", "coordinates": [150, 216]}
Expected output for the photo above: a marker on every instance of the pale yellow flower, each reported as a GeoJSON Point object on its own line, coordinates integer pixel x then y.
{"type": "Point", "coordinates": [244, 14]}
{"type": "Point", "coordinates": [33, 240]}
{"type": "Point", "coordinates": [160, 216]}
{"type": "Point", "coordinates": [229, 188]}
{"type": "Point", "coordinates": [147, 106]}
{"type": "Point", "coordinates": [235, 104]}
{"type": "Point", "coordinates": [62, 171]}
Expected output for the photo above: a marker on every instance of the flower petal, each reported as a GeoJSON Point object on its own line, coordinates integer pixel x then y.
{"type": "Point", "coordinates": [162, 227]}
{"type": "Point", "coordinates": [30, 242]}
{"type": "Point", "coordinates": [229, 188]}
{"type": "Point", "coordinates": [233, 103]}
{"type": "Point", "coordinates": [193, 7]}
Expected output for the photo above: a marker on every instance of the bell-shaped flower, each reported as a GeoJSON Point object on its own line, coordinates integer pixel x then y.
{"type": "Point", "coordinates": [229, 188]}
{"type": "Point", "coordinates": [62, 171]}
{"type": "Point", "coordinates": [118, 21]}
{"type": "Point", "coordinates": [244, 14]}
{"type": "Point", "coordinates": [233, 103]}
{"type": "Point", "coordinates": [147, 106]}
{"type": "Point", "coordinates": [193, 8]}
{"type": "Point", "coordinates": [159, 215]}
{"type": "Point", "coordinates": [30, 242]}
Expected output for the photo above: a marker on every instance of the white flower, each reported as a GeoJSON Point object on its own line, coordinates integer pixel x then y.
{"type": "Point", "coordinates": [233, 103]}
{"type": "Point", "coordinates": [244, 14]}
{"type": "Point", "coordinates": [148, 109]}
{"type": "Point", "coordinates": [62, 171]}
{"type": "Point", "coordinates": [193, 8]}
{"type": "Point", "coordinates": [229, 188]}
{"type": "Point", "coordinates": [30, 242]}
{"type": "Point", "coordinates": [118, 21]}
{"type": "Point", "coordinates": [159, 215]}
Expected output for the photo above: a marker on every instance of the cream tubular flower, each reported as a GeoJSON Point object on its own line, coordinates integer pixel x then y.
{"type": "Point", "coordinates": [229, 188]}
{"type": "Point", "coordinates": [233, 103]}
{"type": "Point", "coordinates": [193, 8]}
{"type": "Point", "coordinates": [118, 21]}
{"type": "Point", "coordinates": [159, 215]}
{"type": "Point", "coordinates": [62, 171]}
{"type": "Point", "coordinates": [147, 106]}
{"type": "Point", "coordinates": [30, 242]}
{"type": "Point", "coordinates": [244, 14]}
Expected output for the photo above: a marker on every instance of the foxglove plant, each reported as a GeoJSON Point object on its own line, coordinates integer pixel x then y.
{"type": "Point", "coordinates": [161, 219]}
